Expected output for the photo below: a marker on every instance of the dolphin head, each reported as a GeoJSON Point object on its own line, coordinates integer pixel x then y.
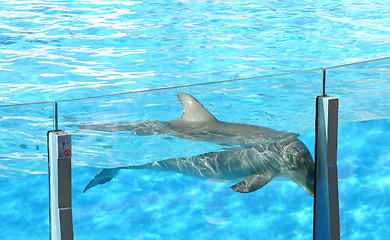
{"type": "Point", "coordinates": [302, 170]}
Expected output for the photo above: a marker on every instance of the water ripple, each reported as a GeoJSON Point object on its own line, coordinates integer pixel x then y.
{"type": "Point", "coordinates": [157, 43]}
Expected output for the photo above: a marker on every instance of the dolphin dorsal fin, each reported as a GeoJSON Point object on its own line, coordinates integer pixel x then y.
{"type": "Point", "coordinates": [193, 110]}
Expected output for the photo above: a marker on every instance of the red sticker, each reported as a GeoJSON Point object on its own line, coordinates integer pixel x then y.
{"type": "Point", "coordinates": [67, 152]}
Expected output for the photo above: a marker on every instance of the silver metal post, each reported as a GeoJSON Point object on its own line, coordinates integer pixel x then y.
{"type": "Point", "coordinates": [60, 153]}
{"type": "Point", "coordinates": [323, 90]}
{"type": "Point", "coordinates": [326, 203]}
{"type": "Point", "coordinates": [55, 116]}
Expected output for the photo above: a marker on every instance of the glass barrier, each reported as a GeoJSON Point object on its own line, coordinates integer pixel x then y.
{"type": "Point", "coordinates": [131, 130]}
{"type": "Point", "coordinates": [364, 147]}
{"type": "Point", "coordinates": [150, 204]}
{"type": "Point", "coordinates": [23, 171]}
{"type": "Point", "coordinates": [362, 88]}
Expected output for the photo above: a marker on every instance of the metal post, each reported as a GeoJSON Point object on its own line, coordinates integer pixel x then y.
{"type": "Point", "coordinates": [55, 116]}
{"type": "Point", "coordinates": [326, 204]}
{"type": "Point", "coordinates": [59, 148]}
{"type": "Point", "coordinates": [323, 90]}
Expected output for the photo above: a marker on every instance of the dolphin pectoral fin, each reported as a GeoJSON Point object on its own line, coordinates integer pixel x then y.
{"type": "Point", "coordinates": [252, 183]}
{"type": "Point", "coordinates": [102, 177]}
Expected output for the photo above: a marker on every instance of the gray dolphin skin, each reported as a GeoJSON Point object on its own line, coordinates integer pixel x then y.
{"type": "Point", "coordinates": [257, 154]}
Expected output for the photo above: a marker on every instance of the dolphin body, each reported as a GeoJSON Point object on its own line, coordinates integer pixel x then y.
{"type": "Point", "coordinates": [256, 156]}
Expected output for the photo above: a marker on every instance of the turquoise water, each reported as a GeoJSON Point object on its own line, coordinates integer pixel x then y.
{"type": "Point", "coordinates": [157, 205]}
{"type": "Point", "coordinates": [53, 50]}
{"type": "Point", "coordinates": [58, 50]}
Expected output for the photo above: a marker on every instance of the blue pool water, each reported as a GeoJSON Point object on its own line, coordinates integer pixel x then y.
{"type": "Point", "coordinates": [58, 50]}
{"type": "Point", "coordinates": [52, 50]}
{"type": "Point", "coordinates": [157, 205]}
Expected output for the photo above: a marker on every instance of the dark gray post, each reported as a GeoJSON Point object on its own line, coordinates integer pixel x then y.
{"type": "Point", "coordinates": [326, 202]}
{"type": "Point", "coordinates": [60, 153]}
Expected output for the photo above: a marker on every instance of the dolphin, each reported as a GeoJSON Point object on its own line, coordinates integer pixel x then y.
{"type": "Point", "coordinates": [256, 154]}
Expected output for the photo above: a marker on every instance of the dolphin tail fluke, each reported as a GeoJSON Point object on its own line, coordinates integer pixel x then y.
{"type": "Point", "coordinates": [252, 183]}
{"type": "Point", "coordinates": [107, 174]}
{"type": "Point", "coordinates": [102, 177]}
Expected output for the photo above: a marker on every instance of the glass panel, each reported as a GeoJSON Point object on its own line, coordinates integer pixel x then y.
{"type": "Point", "coordinates": [146, 203]}
{"type": "Point", "coordinates": [23, 170]}
{"type": "Point", "coordinates": [364, 148]}
{"type": "Point", "coordinates": [363, 90]}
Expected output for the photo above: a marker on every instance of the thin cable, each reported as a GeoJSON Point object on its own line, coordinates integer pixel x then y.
{"type": "Point", "coordinates": [355, 63]}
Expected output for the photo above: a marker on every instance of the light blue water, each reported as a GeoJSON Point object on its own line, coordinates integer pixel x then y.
{"type": "Point", "coordinates": [156, 205]}
{"type": "Point", "coordinates": [55, 50]}
{"type": "Point", "coordinates": [51, 50]}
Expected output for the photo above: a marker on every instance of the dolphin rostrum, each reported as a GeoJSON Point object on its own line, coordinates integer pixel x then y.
{"type": "Point", "coordinates": [256, 156]}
